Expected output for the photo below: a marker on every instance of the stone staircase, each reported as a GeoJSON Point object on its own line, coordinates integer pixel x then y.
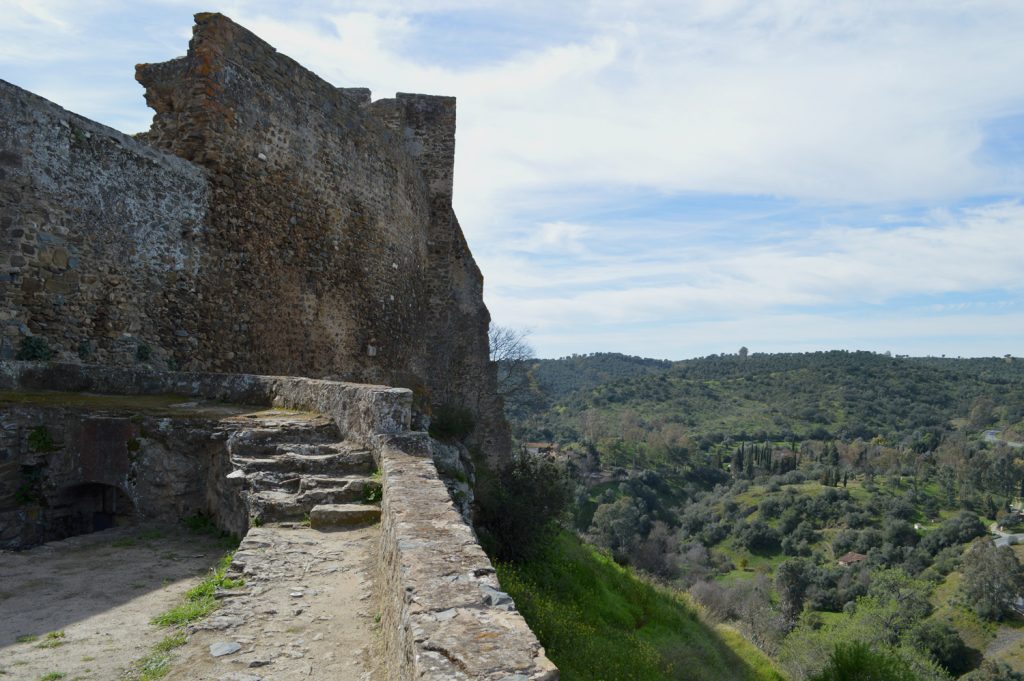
{"type": "Point", "coordinates": [295, 469]}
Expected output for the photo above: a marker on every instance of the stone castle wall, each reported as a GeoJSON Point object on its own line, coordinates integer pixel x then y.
{"type": "Point", "coordinates": [98, 235]}
{"type": "Point", "coordinates": [269, 222]}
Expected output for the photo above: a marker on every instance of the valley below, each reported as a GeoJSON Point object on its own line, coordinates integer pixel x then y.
{"type": "Point", "coordinates": [778, 512]}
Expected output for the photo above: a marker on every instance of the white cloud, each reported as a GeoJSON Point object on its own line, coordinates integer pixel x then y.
{"type": "Point", "coordinates": [35, 32]}
{"type": "Point", "coordinates": [977, 251]}
{"type": "Point", "coordinates": [28, 14]}
{"type": "Point", "coordinates": [551, 238]}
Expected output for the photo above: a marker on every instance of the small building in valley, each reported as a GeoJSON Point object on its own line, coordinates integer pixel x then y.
{"type": "Point", "coordinates": [540, 448]}
{"type": "Point", "coordinates": [851, 558]}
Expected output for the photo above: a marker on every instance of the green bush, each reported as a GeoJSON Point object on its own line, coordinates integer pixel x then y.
{"type": "Point", "coordinates": [858, 662]}
{"type": "Point", "coordinates": [944, 644]}
{"type": "Point", "coordinates": [451, 422]}
{"type": "Point", "coordinates": [519, 507]}
{"type": "Point", "coordinates": [34, 349]}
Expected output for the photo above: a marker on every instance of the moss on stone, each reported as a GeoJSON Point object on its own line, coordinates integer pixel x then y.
{"type": "Point", "coordinates": [155, 405]}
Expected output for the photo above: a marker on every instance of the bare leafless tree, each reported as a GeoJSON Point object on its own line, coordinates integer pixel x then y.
{"type": "Point", "coordinates": [511, 356]}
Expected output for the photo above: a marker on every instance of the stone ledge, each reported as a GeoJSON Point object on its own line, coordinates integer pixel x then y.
{"type": "Point", "coordinates": [359, 410]}
{"type": "Point", "coordinates": [444, 614]}
{"type": "Point", "coordinates": [333, 516]}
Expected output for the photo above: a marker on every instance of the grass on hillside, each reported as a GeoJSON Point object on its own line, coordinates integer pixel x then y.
{"type": "Point", "coordinates": [974, 631]}
{"type": "Point", "coordinates": [1006, 637]}
{"type": "Point", "coordinates": [599, 622]}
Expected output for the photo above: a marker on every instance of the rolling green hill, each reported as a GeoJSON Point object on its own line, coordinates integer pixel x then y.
{"type": "Point", "coordinates": [778, 397]}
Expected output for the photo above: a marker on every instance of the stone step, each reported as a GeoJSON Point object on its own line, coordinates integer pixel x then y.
{"type": "Point", "coordinates": [269, 450]}
{"type": "Point", "coordinates": [308, 430]}
{"type": "Point", "coordinates": [352, 489]}
{"type": "Point", "coordinates": [271, 507]}
{"type": "Point", "coordinates": [341, 462]}
{"type": "Point", "coordinates": [314, 482]}
{"type": "Point", "coordinates": [261, 481]}
{"type": "Point", "coordinates": [330, 516]}
{"type": "Point", "coordinates": [277, 506]}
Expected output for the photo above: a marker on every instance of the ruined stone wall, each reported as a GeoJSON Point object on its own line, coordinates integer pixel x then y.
{"type": "Point", "coordinates": [319, 221]}
{"type": "Point", "coordinates": [312, 233]}
{"type": "Point", "coordinates": [98, 235]}
{"type": "Point", "coordinates": [443, 614]}
{"type": "Point", "coordinates": [57, 463]}
{"type": "Point", "coordinates": [337, 249]}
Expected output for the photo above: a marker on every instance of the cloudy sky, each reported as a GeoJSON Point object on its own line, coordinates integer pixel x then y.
{"type": "Point", "coordinates": [668, 179]}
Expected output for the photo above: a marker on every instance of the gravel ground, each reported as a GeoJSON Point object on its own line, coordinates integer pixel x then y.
{"type": "Point", "coordinates": [82, 606]}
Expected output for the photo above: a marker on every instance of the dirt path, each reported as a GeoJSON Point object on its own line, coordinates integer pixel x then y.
{"type": "Point", "coordinates": [993, 436]}
{"type": "Point", "coordinates": [85, 602]}
{"type": "Point", "coordinates": [306, 612]}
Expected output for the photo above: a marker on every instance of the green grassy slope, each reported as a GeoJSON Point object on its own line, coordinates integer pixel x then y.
{"type": "Point", "coordinates": [598, 622]}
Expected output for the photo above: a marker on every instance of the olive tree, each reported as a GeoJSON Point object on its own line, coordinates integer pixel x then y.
{"type": "Point", "coordinates": [992, 579]}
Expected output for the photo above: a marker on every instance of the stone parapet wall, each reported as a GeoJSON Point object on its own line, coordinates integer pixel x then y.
{"type": "Point", "coordinates": [360, 411]}
{"type": "Point", "coordinates": [444, 615]}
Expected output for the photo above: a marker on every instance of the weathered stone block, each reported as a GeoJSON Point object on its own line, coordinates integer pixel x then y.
{"type": "Point", "coordinates": [332, 516]}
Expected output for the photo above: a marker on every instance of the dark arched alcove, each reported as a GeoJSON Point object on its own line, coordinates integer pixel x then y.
{"type": "Point", "coordinates": [90, 507]}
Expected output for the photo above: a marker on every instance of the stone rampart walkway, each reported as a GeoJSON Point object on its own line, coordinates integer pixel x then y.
{"type": "Point", "coordinates": [307, 611]}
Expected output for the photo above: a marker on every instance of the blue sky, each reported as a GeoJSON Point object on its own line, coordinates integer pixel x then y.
{"type": "Point", "coordinates": [668, 179]}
